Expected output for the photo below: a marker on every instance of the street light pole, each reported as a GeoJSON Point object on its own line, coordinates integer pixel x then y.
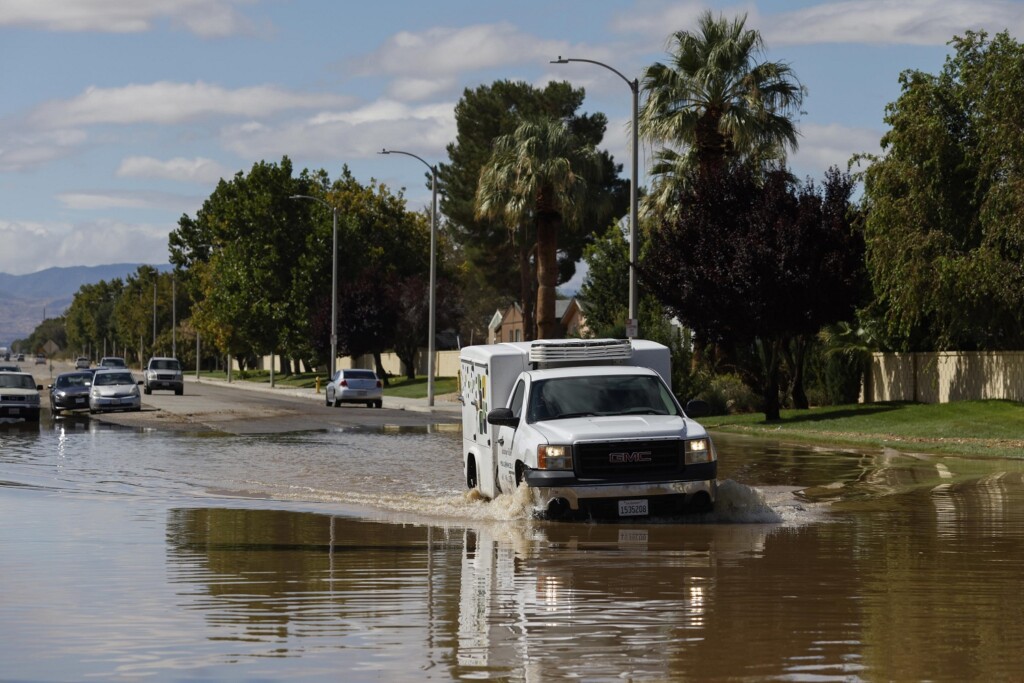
{"type": "Point", "coordinates": [634, 86]}
{"type": "Point", "coordinates": [432, 298]}
{"type": "Point", "coordinates": [334, 279]}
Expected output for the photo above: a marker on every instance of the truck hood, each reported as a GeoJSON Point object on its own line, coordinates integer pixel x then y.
{"type": "Point", "coordinates": [618, 427]}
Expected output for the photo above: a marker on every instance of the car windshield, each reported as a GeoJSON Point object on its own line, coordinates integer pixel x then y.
{"type": "Point", "coordinates": [112, 363]}
{"type": "Point", "coordinates": [163, 365]}
{"type": "Point", "coordinates": [17, 382]}
{"type": "Point", "coordinates": [564, 397]}
{"type": "Point", "coordinates": [65, 381]}
{"type": "Point", "coordinates": [360, 374]}
{"type": "Point", "coordinates": [103, 379]}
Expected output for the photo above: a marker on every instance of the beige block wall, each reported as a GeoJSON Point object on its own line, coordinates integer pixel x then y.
{"type": "Point", "coordinates": [947, 376]}
{"type": "Point", "coordinates": [446, 363]}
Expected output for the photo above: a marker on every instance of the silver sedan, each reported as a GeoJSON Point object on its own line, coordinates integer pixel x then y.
{"type": "Point", "coordinates": [355, 386]}
{"type": "Point", "coordinates": [114, 390]}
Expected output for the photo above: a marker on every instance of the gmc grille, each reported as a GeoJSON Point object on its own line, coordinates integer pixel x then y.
{"type": "Point", "coordinates": [16, 397]}
{"type": "Point", "coordinates": [643, 459]}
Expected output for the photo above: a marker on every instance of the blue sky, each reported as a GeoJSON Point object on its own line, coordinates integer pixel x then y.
{"type": "Point", "coordinates": [119, 116]}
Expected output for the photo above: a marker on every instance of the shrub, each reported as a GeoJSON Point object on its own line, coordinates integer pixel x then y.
{"type": "Point", "coordinates": [728, 393]}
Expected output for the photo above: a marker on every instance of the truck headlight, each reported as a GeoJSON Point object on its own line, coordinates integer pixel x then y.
{"type": "Point", "coordinates": [698, 451]}
{"type": "Point", "coordinates": [554, 457]}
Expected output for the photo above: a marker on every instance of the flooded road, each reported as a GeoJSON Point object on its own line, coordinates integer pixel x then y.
{"type": "Point", "coordinates": [357, 556]}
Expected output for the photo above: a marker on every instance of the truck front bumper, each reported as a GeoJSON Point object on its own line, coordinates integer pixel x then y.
{"type": "Point", "coordinates": [553, 485]}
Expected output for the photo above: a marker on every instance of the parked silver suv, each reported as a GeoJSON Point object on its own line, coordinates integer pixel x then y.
{"type": "Point", "coordinates": [163, 373]}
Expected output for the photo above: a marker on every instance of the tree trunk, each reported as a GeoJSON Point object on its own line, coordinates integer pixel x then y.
{"type": "Point", "coordinates": [802, 344]}
{"type": "Point", "coordinates": [794, 353]}
{"type": "Point", "coordinates": [547, 274]}
{"type": "Point", "coordinates": [380, 369]}
{"type": "Point", "coordinates": [770, 394]}
{"type": "Point", "coordinates": [526, 289]}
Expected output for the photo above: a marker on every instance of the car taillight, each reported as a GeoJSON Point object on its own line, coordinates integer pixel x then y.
{"type": "Point", "coordinates": [344, 383]}
{"type": "Point", "coordinates": [379, 384]}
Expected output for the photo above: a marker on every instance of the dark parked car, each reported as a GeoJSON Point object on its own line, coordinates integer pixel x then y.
{"type": "Point", "coordinates": [70, 391]}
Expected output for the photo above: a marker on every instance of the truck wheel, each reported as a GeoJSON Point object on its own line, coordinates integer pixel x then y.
{"type": "Point", "coordinates": [471, 474]}
{"type": "Point", "coordinates": [520, 468]}
{"type": "Point", "coordinates": [179, 391]}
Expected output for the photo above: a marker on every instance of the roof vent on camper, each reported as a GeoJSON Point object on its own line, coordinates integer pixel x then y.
{"type": "Point", "coordinates": [547, 351]}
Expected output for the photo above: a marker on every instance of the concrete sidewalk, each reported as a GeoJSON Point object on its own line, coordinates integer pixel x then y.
{"type": "Point", "coordinates": [446, 404]}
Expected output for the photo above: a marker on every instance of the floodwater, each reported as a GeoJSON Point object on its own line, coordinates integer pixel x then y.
{"type": "Point", "coordinates": [357, 556]}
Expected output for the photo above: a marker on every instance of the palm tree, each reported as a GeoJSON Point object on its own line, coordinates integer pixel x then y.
{"type": "Point", "coordinates": [540, 174]}
{"type": "Point", "coordinates": [716, 99]}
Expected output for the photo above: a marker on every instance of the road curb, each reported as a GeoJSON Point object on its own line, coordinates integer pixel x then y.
{"type": "Point", "coordinates": [393, 402]}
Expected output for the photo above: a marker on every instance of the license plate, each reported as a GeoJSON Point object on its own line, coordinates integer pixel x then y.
{"type": "Point", "coordinates": [14, 411]}
{"type": "Point", "coordinates": [79, 400]}
{"type": "Point", "coordinates": [633, 508]}
{"type": "Point", "coordinates": [360, 393]}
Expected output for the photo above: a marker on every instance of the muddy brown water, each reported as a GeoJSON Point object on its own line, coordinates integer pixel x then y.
{"type": "Point", "coordinates": [357, 556]}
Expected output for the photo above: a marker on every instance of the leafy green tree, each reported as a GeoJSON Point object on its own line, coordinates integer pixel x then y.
{"type": "Point", "coordinates": [51, 329]}
{"type": "Point", "coordinates": [89, 317]}
{"type": "Point", "coordinates": [239, 257]}
{"type": "Point", "coordinates": [539, 175]}
{"type": "Point", "coordinates": [751, 265]}
{"type": "Point", "coordinates": [945, 226]}
{"type": "Point", "coordinates": [714, 103]}
{"type": "Point", "coordinates": [498, 264]}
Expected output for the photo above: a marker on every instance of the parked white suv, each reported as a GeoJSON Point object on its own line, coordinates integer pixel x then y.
{"type": "Point", "coordinates": [19, 396]}
{"type": "Point", "coordinates": [163, 373]}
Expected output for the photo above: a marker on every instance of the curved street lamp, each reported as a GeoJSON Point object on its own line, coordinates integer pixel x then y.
{"type": "Point", "coordinates": [431, 293]}
{"type": "Point", "coordinates": [334, 280]}
{"type": "Point", "coordinates": [634, 86]}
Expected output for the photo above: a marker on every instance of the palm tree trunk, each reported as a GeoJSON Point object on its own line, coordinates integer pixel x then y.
{"type": "Point", "coordinates": [547, 274]}
{"type": "Point", "coordinates": [526, 289]}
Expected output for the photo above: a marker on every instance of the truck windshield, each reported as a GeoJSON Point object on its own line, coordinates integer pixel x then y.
{"type": "Point", "coordinates": [566, 397]}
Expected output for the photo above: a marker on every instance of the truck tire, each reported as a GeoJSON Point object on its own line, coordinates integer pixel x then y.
{"type": "Point", "coordinates": [471, 473]}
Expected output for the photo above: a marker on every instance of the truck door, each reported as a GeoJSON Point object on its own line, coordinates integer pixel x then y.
{"type": "Point", "coordinates": [503, 453]}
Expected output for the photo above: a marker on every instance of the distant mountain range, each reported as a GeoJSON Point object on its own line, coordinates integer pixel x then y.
{"type": "Point", "coordinates": [25, 300]}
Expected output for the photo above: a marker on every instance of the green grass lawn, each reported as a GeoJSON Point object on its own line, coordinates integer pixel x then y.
{"type": "Point", "coordinates": [994, 428]}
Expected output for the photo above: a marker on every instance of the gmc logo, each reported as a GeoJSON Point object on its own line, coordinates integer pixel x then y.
{"type": "Point", "coordinates": [636, 456]}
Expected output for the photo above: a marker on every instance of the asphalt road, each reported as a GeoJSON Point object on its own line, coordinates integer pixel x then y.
{"type": "Point", "coordinates": [238, 409]}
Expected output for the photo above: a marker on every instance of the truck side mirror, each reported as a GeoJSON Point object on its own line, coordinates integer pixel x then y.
{"type": "Point", "coordinates": [502, 417]}
{"type": "Point", "coordinates": [697, 408]}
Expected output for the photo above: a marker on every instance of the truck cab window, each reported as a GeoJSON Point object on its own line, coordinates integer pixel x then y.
{"type": "Point", "coordinates": [517, 399]}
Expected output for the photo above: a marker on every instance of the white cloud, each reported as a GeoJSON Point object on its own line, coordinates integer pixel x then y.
{"type": "Point", "coordinates": [98, 201]}
{"type": "Point", "coordinates": [908, 22]}
{"type": "Point", "coordinates": [822, 146]}
{"type": "Point", "coordinates": [208, 18]}
{"type": "Point", "coordinates": [198, 170]}
{"type": "Point", "coordinates": [20, 150]}
{"type": "Point", "coordinates": [45, 245]}
{"type": "Point", "coordinates": [168, 103]}
{"type": "Point", "coordinates": [357, 133]}
{"type": "Point", "coordinates": [442, 54]}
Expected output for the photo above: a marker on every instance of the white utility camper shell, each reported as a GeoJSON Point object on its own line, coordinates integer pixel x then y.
{"type": "Point", "coordinates": [604, 457]}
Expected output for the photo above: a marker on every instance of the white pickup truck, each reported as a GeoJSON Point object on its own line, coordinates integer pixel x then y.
{"type": "Point", "coordinates": [591, 426]}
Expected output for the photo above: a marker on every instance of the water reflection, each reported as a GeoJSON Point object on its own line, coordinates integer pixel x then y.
{"type": "Point", "coordinates": [523, 600]}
